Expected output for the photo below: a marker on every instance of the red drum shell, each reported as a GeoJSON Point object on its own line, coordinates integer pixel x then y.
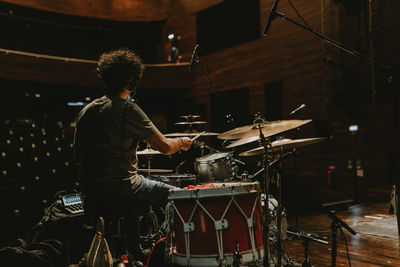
{"type": "Point", "coordinates": [203, 240]}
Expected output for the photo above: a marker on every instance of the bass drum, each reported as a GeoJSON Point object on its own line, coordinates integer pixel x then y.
{"type": "Point", "coordinates": [207, 226]}
{"type": "Point", "coordinates": [215, 167]}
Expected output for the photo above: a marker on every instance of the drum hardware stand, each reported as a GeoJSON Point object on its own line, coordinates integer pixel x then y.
{"type": "Point", "coordinates": [279, 215]}
{"type": "Point", "coordinates": [237, 257]}
{"type": "Point", "coordinates": [336, 224]}
{"type": "Point", "coordinates": [305, 239]}
{"type": "Point", "coordinates": [393, 76]}
{"type": "Point", "coordinates": [203, 146]}
{"type": "Point", "coordinates": [265, 142]}
{"type": "Point", "coordinates": [296, 169]}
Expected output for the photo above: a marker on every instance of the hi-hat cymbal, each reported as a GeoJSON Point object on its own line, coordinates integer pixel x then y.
{"type": "Point", "coordinates": [190, 134]}
{"type": "Point", "coordinates": [155, 170]}
{"type": "Point", "coordinates": [268, 128]}
{"type": "Point", "coordinates": [148, 152]}
{"type": "Point", "coordinates": [190, 122]}
{"type": "Point", "coordinates": [190, 117]}
{"type": "Point", "coordinates": [285, 144]}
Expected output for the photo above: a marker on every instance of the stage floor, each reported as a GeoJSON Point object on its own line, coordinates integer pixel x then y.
{"type": "Point", "coordinates": [372, 246]}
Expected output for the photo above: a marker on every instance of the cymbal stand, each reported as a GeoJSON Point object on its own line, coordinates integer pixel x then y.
{"type": "Point", "coordinates": [203, 146]}
{"type": "Point", "coordinates": [279, 213]}
{"type": "Point", "coordinates": [265, 142]}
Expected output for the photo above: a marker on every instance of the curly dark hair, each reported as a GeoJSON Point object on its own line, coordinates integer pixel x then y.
{"type": "Point", "coordinates": [118, 69]}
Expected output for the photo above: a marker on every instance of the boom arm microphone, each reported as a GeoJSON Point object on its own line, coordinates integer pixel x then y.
{"type": "Point", "coordinates": [195, 57]}
{"type": "Point", "coordinates": [271, 17]}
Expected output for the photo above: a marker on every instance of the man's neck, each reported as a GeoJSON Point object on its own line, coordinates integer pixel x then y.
{"type": "Point", "coordinates": [124, 94]}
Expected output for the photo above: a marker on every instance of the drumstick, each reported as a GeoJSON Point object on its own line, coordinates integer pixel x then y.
{"type": "Point", "coordinates": [197, 136]}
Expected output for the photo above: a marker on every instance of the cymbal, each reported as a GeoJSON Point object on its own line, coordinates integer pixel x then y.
{"type": "Point", "coordinates": [190, 134]}
{"type": "Point", "coordinates": [243, 141]}
{"type": "Point", "coordinates": [190, 117]}
{"type": "Point", "coordinates": [268, 128]}
{"type": "Point", "coordinates": [155, 170]}
{"type": "Point", "coordinates": [190, 122]}
{"type": "Point", "coordinates": [285, 144]}
{"type": "Point", "coordinates": [148, 151]}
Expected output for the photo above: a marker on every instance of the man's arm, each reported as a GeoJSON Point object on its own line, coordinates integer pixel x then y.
{"type": "Point", "coordinates": [168, 146]}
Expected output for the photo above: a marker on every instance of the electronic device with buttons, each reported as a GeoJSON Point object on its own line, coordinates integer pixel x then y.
{"type": "Point", "coordinates": [73, 203]}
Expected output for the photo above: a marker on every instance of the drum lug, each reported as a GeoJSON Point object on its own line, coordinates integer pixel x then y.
{"type": "Point", "coordinates": [188, 227]}
{"type": "Point", "coordinates": [220, 225]}
{"type": "Point", "coordinates": [210, 166]}
{"type": "Point", "coordinates": [250, 222]}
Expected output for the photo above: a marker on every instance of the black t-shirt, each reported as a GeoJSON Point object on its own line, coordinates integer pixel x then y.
{"type": "Point", "coordinates": [106, 138]}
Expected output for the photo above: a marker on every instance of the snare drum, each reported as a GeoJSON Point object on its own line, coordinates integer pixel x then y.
{"type": "Point", "coordinates": [208, 226]}
{"type": "Point", "coordinates": [178, 180]}
{"type": "Point", "coordinates": [214, 167]}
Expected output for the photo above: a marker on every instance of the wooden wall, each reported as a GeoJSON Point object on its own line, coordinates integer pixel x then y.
{"type": "Point", "coordinates": [39, 69]}
{"type": "Point", "coordinates": [122, 10]}
{"type": "Point", "coordinates": [335, 87]}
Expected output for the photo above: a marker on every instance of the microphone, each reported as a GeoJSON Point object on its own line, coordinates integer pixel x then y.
{"type": "Point", "coordinates": [297, 109]}
{"type": "Point", "coordinates": [271, 17]}
{"type": "Point", "coordinates": [195, 57]}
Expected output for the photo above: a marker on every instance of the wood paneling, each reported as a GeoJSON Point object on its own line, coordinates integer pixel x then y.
{"type": "Point", "coordinates": [121, 10]}
{"type": "Point", "coordinates": [45, 70]}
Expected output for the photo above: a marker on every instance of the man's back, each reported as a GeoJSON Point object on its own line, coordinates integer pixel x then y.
{"type": "Point", "coordinates": [106, 137]}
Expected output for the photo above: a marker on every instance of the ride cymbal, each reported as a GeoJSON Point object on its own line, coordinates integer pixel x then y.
{"type": "Point", "coordinates": [190, 117]}
{"type": "Point", "coordinates": [148, 151]}
{"type": "Point", "coordinates": [190, 134]}
{"type": "Point", "coordinates": [190, 122]}
{"type": "Point", "coordinates": [284, 144]}
{"type": "Point", "coordinates": [268, 128]}
{"type": "Point", "coordinates": [155, 170]}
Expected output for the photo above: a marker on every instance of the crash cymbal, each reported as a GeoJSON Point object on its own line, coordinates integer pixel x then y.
{"type": "Point", "coordinates": [268, 128]}
{"type": "Point", "coordinates": [285, 144]}
{"type": "Point", "coordinates": [243, 141]}
{"type": "Point", "coordinates": [148, 152]}
{"type": "Point", "coordinates": [190, 134]}
{"type": "Point", "coordinates": [190, 117]}
{"type": "Point", "coordinates": [155, 170]}
{"type": "Point", "coordinates": [190, 122]}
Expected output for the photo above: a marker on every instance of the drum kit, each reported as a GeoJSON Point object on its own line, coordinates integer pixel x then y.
{"type": "Point", "coordinates": [228, 219]}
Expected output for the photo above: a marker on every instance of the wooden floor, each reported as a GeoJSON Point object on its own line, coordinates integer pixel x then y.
{"type": "Point", "coordinates": [365, 250]}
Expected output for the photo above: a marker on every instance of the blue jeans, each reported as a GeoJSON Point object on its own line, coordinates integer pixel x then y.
{"type": "Point", "coordinates": [152, 192]}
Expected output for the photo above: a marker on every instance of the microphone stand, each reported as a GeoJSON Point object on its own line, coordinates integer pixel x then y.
{"type": "Point", "coordinates": [393, 76]}
{"type": "Point", "coordinates": [336, 224]}
{"type": "Point", "coordinates": [305, 238]}
{"type": "Point", "coordinates": [229, 119]}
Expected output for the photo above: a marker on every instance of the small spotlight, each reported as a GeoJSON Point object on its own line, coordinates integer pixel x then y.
{"type": "Point", "coordinates": [353, 128]}
{"type": "Point", "coordinates": [38, 95]}
{"type": "Point", "coordinates": [87, 98]}
{"type": "Point", "coordinates": [171, 36]}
